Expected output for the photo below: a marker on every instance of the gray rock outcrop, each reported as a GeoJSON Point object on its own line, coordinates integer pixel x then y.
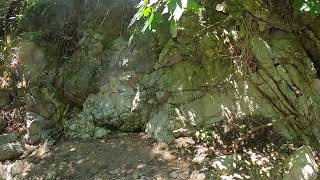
{"type": "Point", "coordinates": [10, 151]}
{"type": "Point", "coordinates": [4, 97]}
{"type": "Point", "coordinates": [8, 138]}
{"type": "Point", "coordinates": [301, 165]}
{"type": "Point", "coordinates": [3, 125]}
{"type": "Point", "coordinates": [160, 85]}
{"type": "Point", "coordinates": [36, 128]}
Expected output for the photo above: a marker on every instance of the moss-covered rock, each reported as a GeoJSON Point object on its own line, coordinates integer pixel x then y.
{"type": "Point", "coordinates": [230, 62]}
{"type": "Point", "coordinates": [301, 165]}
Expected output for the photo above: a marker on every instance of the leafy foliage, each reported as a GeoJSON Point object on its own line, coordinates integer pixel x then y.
{"type": "Point", "coordinates": [204, 135]}
{"type": "Point", "coordinates": [152, 12]}
{"type": "Point", "coordinates": [307, 6]}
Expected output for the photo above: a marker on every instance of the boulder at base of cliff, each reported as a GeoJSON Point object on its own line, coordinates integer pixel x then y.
{"type": "Point", "coordinates": [10, 151]}
{"type": "Point", "coordinates": [37, 126]}
{"type": "Point", "coordinates": [8, 138]}
{"type": "Point", "coordinates": [301, 165]}
{"type": "Point", "coordinates": [4, 98]}
{"type": "Point", "coordinates": [3, 125]}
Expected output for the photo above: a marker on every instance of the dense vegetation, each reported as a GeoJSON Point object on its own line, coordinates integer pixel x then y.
{"type": "Point", "coordinates": [154, 12]}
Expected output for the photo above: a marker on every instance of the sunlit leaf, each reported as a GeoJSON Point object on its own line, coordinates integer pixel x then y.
{"type": "Point", "coordinates": [172, 4]}
{"type": "Point", "coordinates": [133, 34]}
{"type": "Point", "coordinates": [165, 10]}
{"type": "Point", "coordinates": [157, 19]}
{"type": "Point", "coordinates": [193, 6]}
{"type": "Point", "coordinates": [184, 4]}
{"type": "Point", "coordinates": [147, 11]}
{"type": "Point", "coordinates": [152, 2]}
{"type": "Point", "coordinates": [147, 23]}
{"type": "Point", "coordinates": [178, 13]}
{"type": "Point", "coordinates": [137, 16]}
{"type": "Point", "coordinates": [173, 28]}
{"type": "Point", "coordinates": [152, 13]}
{"type": "Point", "coordinates": [311, 7]}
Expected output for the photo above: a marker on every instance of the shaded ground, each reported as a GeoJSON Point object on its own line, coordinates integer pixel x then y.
{"type": "Point", "coordinates": [137, 156]}
{"type": "Point", "coordinates": [125, 156]}
{"type": "Point", "coordinates": [243, 149]}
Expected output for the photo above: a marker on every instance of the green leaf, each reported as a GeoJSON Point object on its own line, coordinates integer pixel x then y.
{"type": "Point", "coordinates": [137, 16]}
{"type": "Point", "coordinates": [153, 2]}
{"type": "Point", "coordinates": [165, 9]}
{"type": "Point", "coordinates": [133, 34]}
{"type": "Point", "coordinates": [157, 19]}
{"type": "Point", "coordinates": [173, 28]}
{"type": "Point", "coordinates": [178, 13]}
{"type": "Point", "coordinates": [148, 23]}
{"type": "Point", "coordinates": [311, 7]}
{"type": "Point", "coordinates": [147, 11]}
{"type": "Point", "coordinates": [172, 4]}
{"type": "Point", "coordinates": [184, 4]}
{"type": "Point", "coordinates": [193, 6]}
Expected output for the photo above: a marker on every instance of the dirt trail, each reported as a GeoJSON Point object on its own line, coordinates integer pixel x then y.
{"type": "Point", "coordinates": [127, 156]}
{"type": "Point", "coordinates": [124, 156]}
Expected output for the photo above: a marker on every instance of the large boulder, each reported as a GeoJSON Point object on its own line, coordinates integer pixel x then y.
{"type": "Point", "coordinates": [199, 90]}
{"type": "Point", "coordinates": [10, 151]}
{"type": "Point", "coordinates": [119, 102]}
{"type": "Point", "coordinates": [301, 165]}
{"type": "Point", "coordinates": [96, 49]}
{"type": "Point", "coordinates": [36, 128]}
{"type": "Point", "coordinates": [161, 125]}
{"type": "Point", "coordinates": [8, 138]}
{"type": "Point", "coordinates": [115, 107]}
{"type": "Point", "coordinates": [277, 17]}
{"type": "Point", "coordinates": [4, 97]}
{"type": "Point", "coordinates": [77, 77]}
{"type": "Point", "coordinates": [286, 76]}
{"type": "Point", "coordinates": [204, 89]}
{"type": "Point", "coordinates": [15, 170]}
{"type": "Point", "coordinates": [3, 124]}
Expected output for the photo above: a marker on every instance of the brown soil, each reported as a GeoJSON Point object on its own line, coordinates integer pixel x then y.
{"type": "Point", "coordinates": [124, 156]}
{"type": "Point", "coordinates": [137, 156]}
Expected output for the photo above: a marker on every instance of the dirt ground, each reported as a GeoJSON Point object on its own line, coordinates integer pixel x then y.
{"type": "Point", "coordinates": [128, 156]}
{"type": "Point", "coordinates": [124, 156]}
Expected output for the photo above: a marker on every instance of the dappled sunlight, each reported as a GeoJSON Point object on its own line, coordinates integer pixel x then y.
{"type": "Point", "coordinates": [133, 156]}
{"type": "Point", "coordinates": [249, 163]}
{"type": "Point", "coordinates": [161, 89]}
{"type": "Point", "coordinates": [163, 152]}
{"type": "Point", "coordinates": [302, 164]}
{"type": "Point", "coordinates": [136, 100]}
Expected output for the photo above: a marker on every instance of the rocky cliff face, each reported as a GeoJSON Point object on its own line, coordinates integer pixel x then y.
{"type": "Point", "coordinates": [244, 61]}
